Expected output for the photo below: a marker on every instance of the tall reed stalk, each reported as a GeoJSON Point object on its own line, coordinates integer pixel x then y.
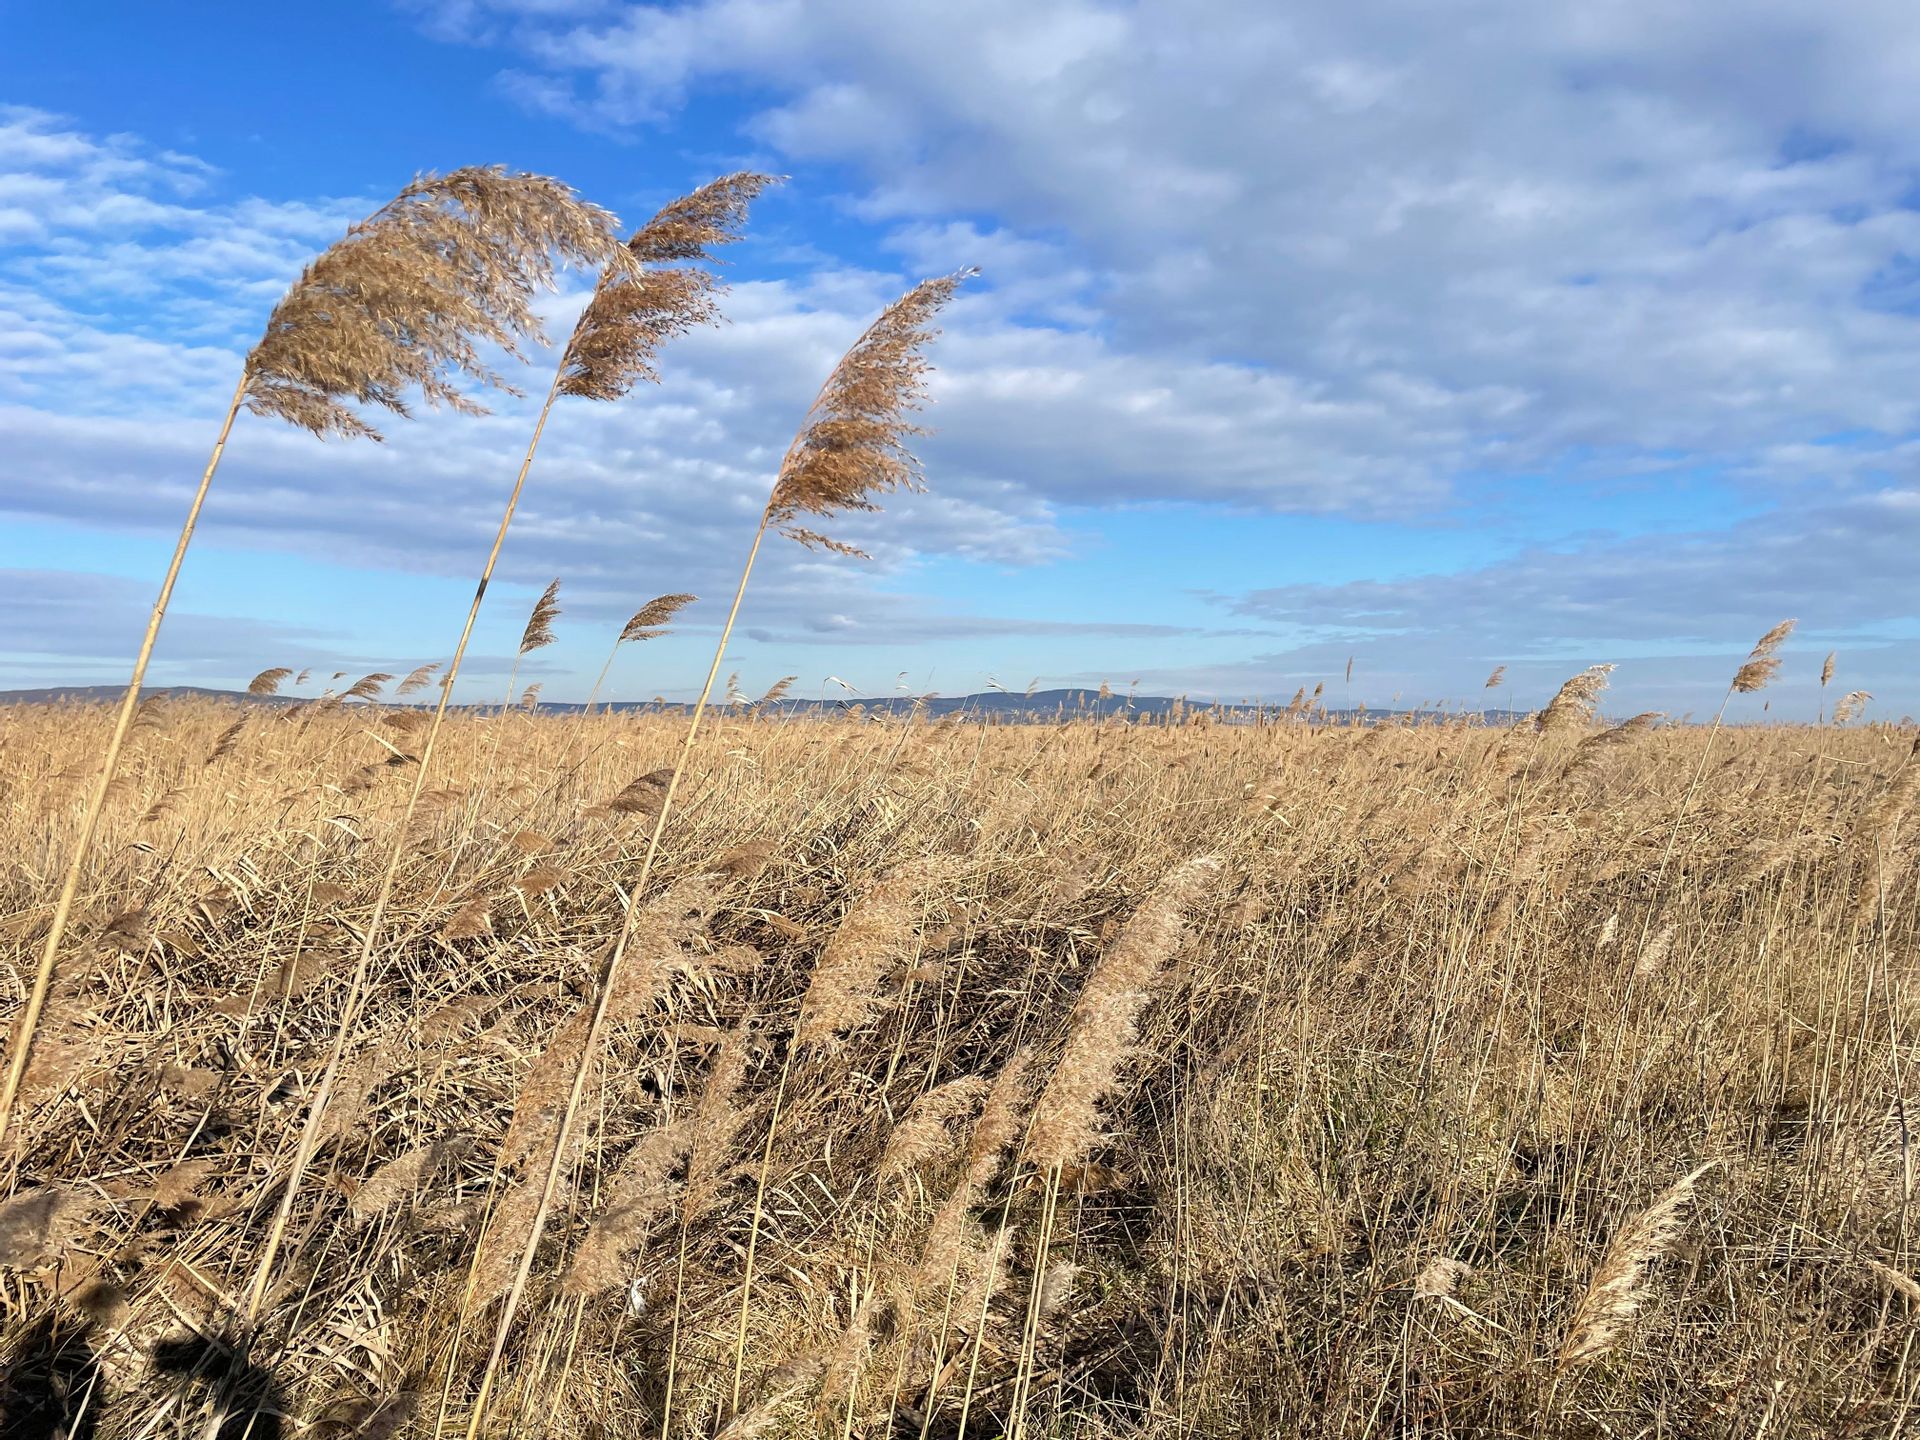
{"type": "Point", "coordinates": [633, 311]}
{"type": "Point", "coordinates": [402, 301]}
{"type": "Point", "coordinates": [852, 446]}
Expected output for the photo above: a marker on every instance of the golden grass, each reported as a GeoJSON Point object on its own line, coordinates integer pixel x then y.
{"type": "Point", "coordinates": [1202, 1080]}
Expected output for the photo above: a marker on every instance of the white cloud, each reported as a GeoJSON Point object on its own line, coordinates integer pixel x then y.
{"type": "Point", "coordinates": [1629, 231]}
{"type": "Point", "coordinates": [1324, 259]}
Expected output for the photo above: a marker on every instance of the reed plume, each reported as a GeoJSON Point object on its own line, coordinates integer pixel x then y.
{"type": "Point", "coordinates": [1759, 667]}
{"type": "Point", "coordinates": [619, 262]}
{"type": "Point", "coordinates": [538, 633]}
{"type": "Point", "coordinates": [1594, 746]}
{"type": "Point", "coordinates": [367, 687]}
{"type": "Point", "coordinates": [229, 737]}
{"type": "Point", "coordinates": [268, 682]}
{"type": "Point", "coordinates": [923, 1135]}
{"type": "Point", "coordinates": [1440, 1277]}
{"type": "Point", "coordinates": [539, 630]}
{"type": "Point", "coordinates": [665, 292]}
{"type": "Point", "coordinates": [640, 1191]}
{"type": "Point", "coordinates": [776, 692]}
{"type": "Point", "coordinates": [649, 622]}
{"type": "Point", "coordinates": [1619, 1285]}
{"type": "Point", "coordinates": [403, 301]}
{"type": "Point", "coordinates": [1850, 705]}
{"type": "Point", "coordinates": [876, 934]}
{"type": "Point", "coordinates": [1104, 1023]}
{"type": "Point", "coordinates": [1763, 662]}
{"type": "Point", "coordinates": [1101, 1029]}
{"type": "Point", "coordinates": [853, 445]}
{"type": "Point", "coordinates": [409, 298]}
{"type": "Point", "coordinates": [417, 680]}
{"type": "Point", "coordinates": [1573, 703]}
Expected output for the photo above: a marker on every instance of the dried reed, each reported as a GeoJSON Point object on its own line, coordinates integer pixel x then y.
{"type": "Point", "coordinates": [403, 301]}
{"type": "Point", "coordinates": [619, 262]}
{"type": "Point", "coordinates": [649, 622]}
{"type": "Point", "coordinates": [1619, 1285]}
{"type": "Point", "coordinates": [851, 445]}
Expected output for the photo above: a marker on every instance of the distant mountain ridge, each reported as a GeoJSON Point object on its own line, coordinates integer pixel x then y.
{"type": "Point", "coordinates": [1003, 705]}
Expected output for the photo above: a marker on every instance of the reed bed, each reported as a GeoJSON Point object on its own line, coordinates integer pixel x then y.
{"type": "Point", "coordinates": [1086, 1079]}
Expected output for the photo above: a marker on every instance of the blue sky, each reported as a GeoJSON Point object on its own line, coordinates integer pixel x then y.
{"type": "Point", "coordinates": [1522, 334]}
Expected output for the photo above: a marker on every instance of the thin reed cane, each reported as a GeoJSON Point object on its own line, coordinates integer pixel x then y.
{"type": "Point", "coordinates": [96, 803]}
{"type": "Point", "coordinates": [851, 446]}
{"type": "Point", "coordinates": [397, 303]}
{"type": "Point", "coordinates": [310, 1133]}
{"type": "Point", "coordinates": [632, 312]}
{"type": "Point", "coordinates": [603, 994]}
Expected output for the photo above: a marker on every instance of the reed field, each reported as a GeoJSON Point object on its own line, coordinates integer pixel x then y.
{"type": "Point", "coordinates": [380, 1067]}
{"type": "Point", "coordinates": [1086, 1079]}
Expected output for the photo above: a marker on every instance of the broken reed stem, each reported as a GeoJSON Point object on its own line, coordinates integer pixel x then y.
{"type": "Point", "coordinates": [603, 993]}
{"type": "Point", "coordinates": [70, 887]}
{"type": "Point", "coordinates": [310, 1134]}
{"type": "Point", "coordinates": [1030, 1338]}
{"type": "Point", "coordinates": [753, 1234]}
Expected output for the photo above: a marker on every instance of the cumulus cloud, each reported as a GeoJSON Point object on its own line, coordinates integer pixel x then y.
{"type": "Point", "coordinates": [1512, 229]}
{"type": "Point", "coordinates": [1335, 260]}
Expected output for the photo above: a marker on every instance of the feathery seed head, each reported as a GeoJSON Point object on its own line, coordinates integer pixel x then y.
{"type": "Point", "coordinates": [876, 933]}
{"type": "Point", "coordinates": [636, 309]}
{"type": "Point", "coordinates": [539, 629]}
{"type": "Point", "coordinates": [1106, 1016]}
{"type": "Point", "coordinates": [1619, 1284]}
{"type": "Point", "coordinates": [416, 680]}
{"type": "Point", "coordinates": [367, 687]}
{"type": "Point", "coordinates": [1440, 1277]}
{"type": "Point", "coordinates": [1850, 705]}
{"type": "Point", "coordinates": [853, 443]}
{"type": "Point", "coordinates": [649, 622]}
{"type": "Point", "coordinates": [1762, 661]}
{"type": "Point", "coordinates": [1573, 704]}
{"type": "Point", "coordinates": [409, 296]}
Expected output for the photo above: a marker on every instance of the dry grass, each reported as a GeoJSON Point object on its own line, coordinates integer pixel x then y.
{"type": "Point", "coordinates": [1200, 1080]}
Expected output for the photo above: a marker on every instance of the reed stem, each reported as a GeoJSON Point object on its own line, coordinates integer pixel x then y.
{"type": "Point", "coordinates": [357, 987]}
{"type": "Point", "coordinates": [109, 762]}
{"type": "Point", "coordinates": [609, 972]}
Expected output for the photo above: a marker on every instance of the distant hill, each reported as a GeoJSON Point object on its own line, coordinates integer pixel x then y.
{"type": "Point", "coordinates": [99, 694]}
{"type": "Point", "coordinates": [1038, 708]}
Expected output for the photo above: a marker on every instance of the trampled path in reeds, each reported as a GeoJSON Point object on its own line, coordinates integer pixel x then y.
{"type": "Point", "coordinates": [1087, 1079]}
